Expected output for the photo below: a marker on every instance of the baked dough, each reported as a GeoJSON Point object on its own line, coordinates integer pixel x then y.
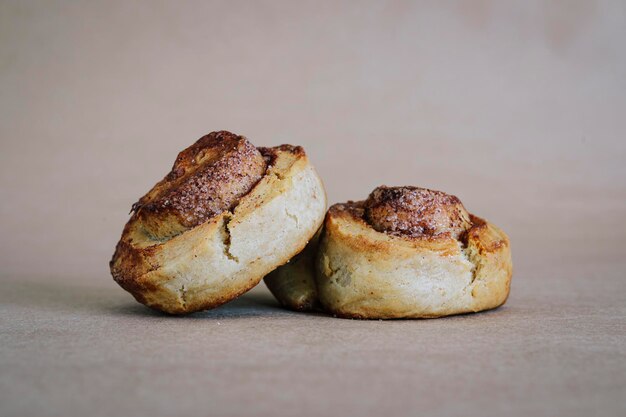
{"type": "Point", "coordinates": [293, 284]}
{"type": "Point", "coordinates": [225, 216]}
{"type": "Point", "coordinates": [405, 252]}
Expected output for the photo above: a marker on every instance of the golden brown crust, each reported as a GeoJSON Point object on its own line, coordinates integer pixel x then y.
{"type": "Point", "coordinates": [207, 178]}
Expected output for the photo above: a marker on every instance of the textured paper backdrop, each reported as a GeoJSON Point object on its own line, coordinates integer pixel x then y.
{"type": "Point", "coordinates": [518, 108]}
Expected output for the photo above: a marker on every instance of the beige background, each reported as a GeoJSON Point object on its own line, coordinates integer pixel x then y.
{"type": "Point", "coordinates": [518, 108]}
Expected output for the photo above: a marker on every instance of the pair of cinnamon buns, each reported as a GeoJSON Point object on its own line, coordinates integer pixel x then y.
{"type": "Point", "coordinates": [229, 214]}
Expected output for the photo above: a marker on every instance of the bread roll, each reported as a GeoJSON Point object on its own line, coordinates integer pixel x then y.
{"type": "Point", "coordinates": [226, 215]}
{"type": "Point", "coordinates": [407, 252]}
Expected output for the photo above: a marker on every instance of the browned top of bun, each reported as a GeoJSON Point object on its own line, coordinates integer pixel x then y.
{"type": "Point", "coordinates": [410, 212]}
{"type": "Point", "coordinates": [207, 178]}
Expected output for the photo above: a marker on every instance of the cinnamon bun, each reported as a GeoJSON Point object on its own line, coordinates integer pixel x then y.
{"type": "Point", "coordinates": [226, 214]}
{"type": "Point", "coordinates": [405, 252]}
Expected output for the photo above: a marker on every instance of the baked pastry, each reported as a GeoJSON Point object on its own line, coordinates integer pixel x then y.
{"type": "Point", "coordinates": [226, 215]}
{"type": "Point", "coordinates": [405, 252]}
{"type": "Point", "coordinates": [293, 284]}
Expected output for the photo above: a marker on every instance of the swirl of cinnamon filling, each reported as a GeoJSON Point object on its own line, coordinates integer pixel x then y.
{"type": "Point", "coordinates": [207, 178]}
{"type": "Point", "coordinates": [415, 211]}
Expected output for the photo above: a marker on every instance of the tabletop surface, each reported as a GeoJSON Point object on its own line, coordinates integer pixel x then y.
{"type": "Point", "coordinates": [558, 347]}
{"type": "Point", "coordinates": [515, 107]}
